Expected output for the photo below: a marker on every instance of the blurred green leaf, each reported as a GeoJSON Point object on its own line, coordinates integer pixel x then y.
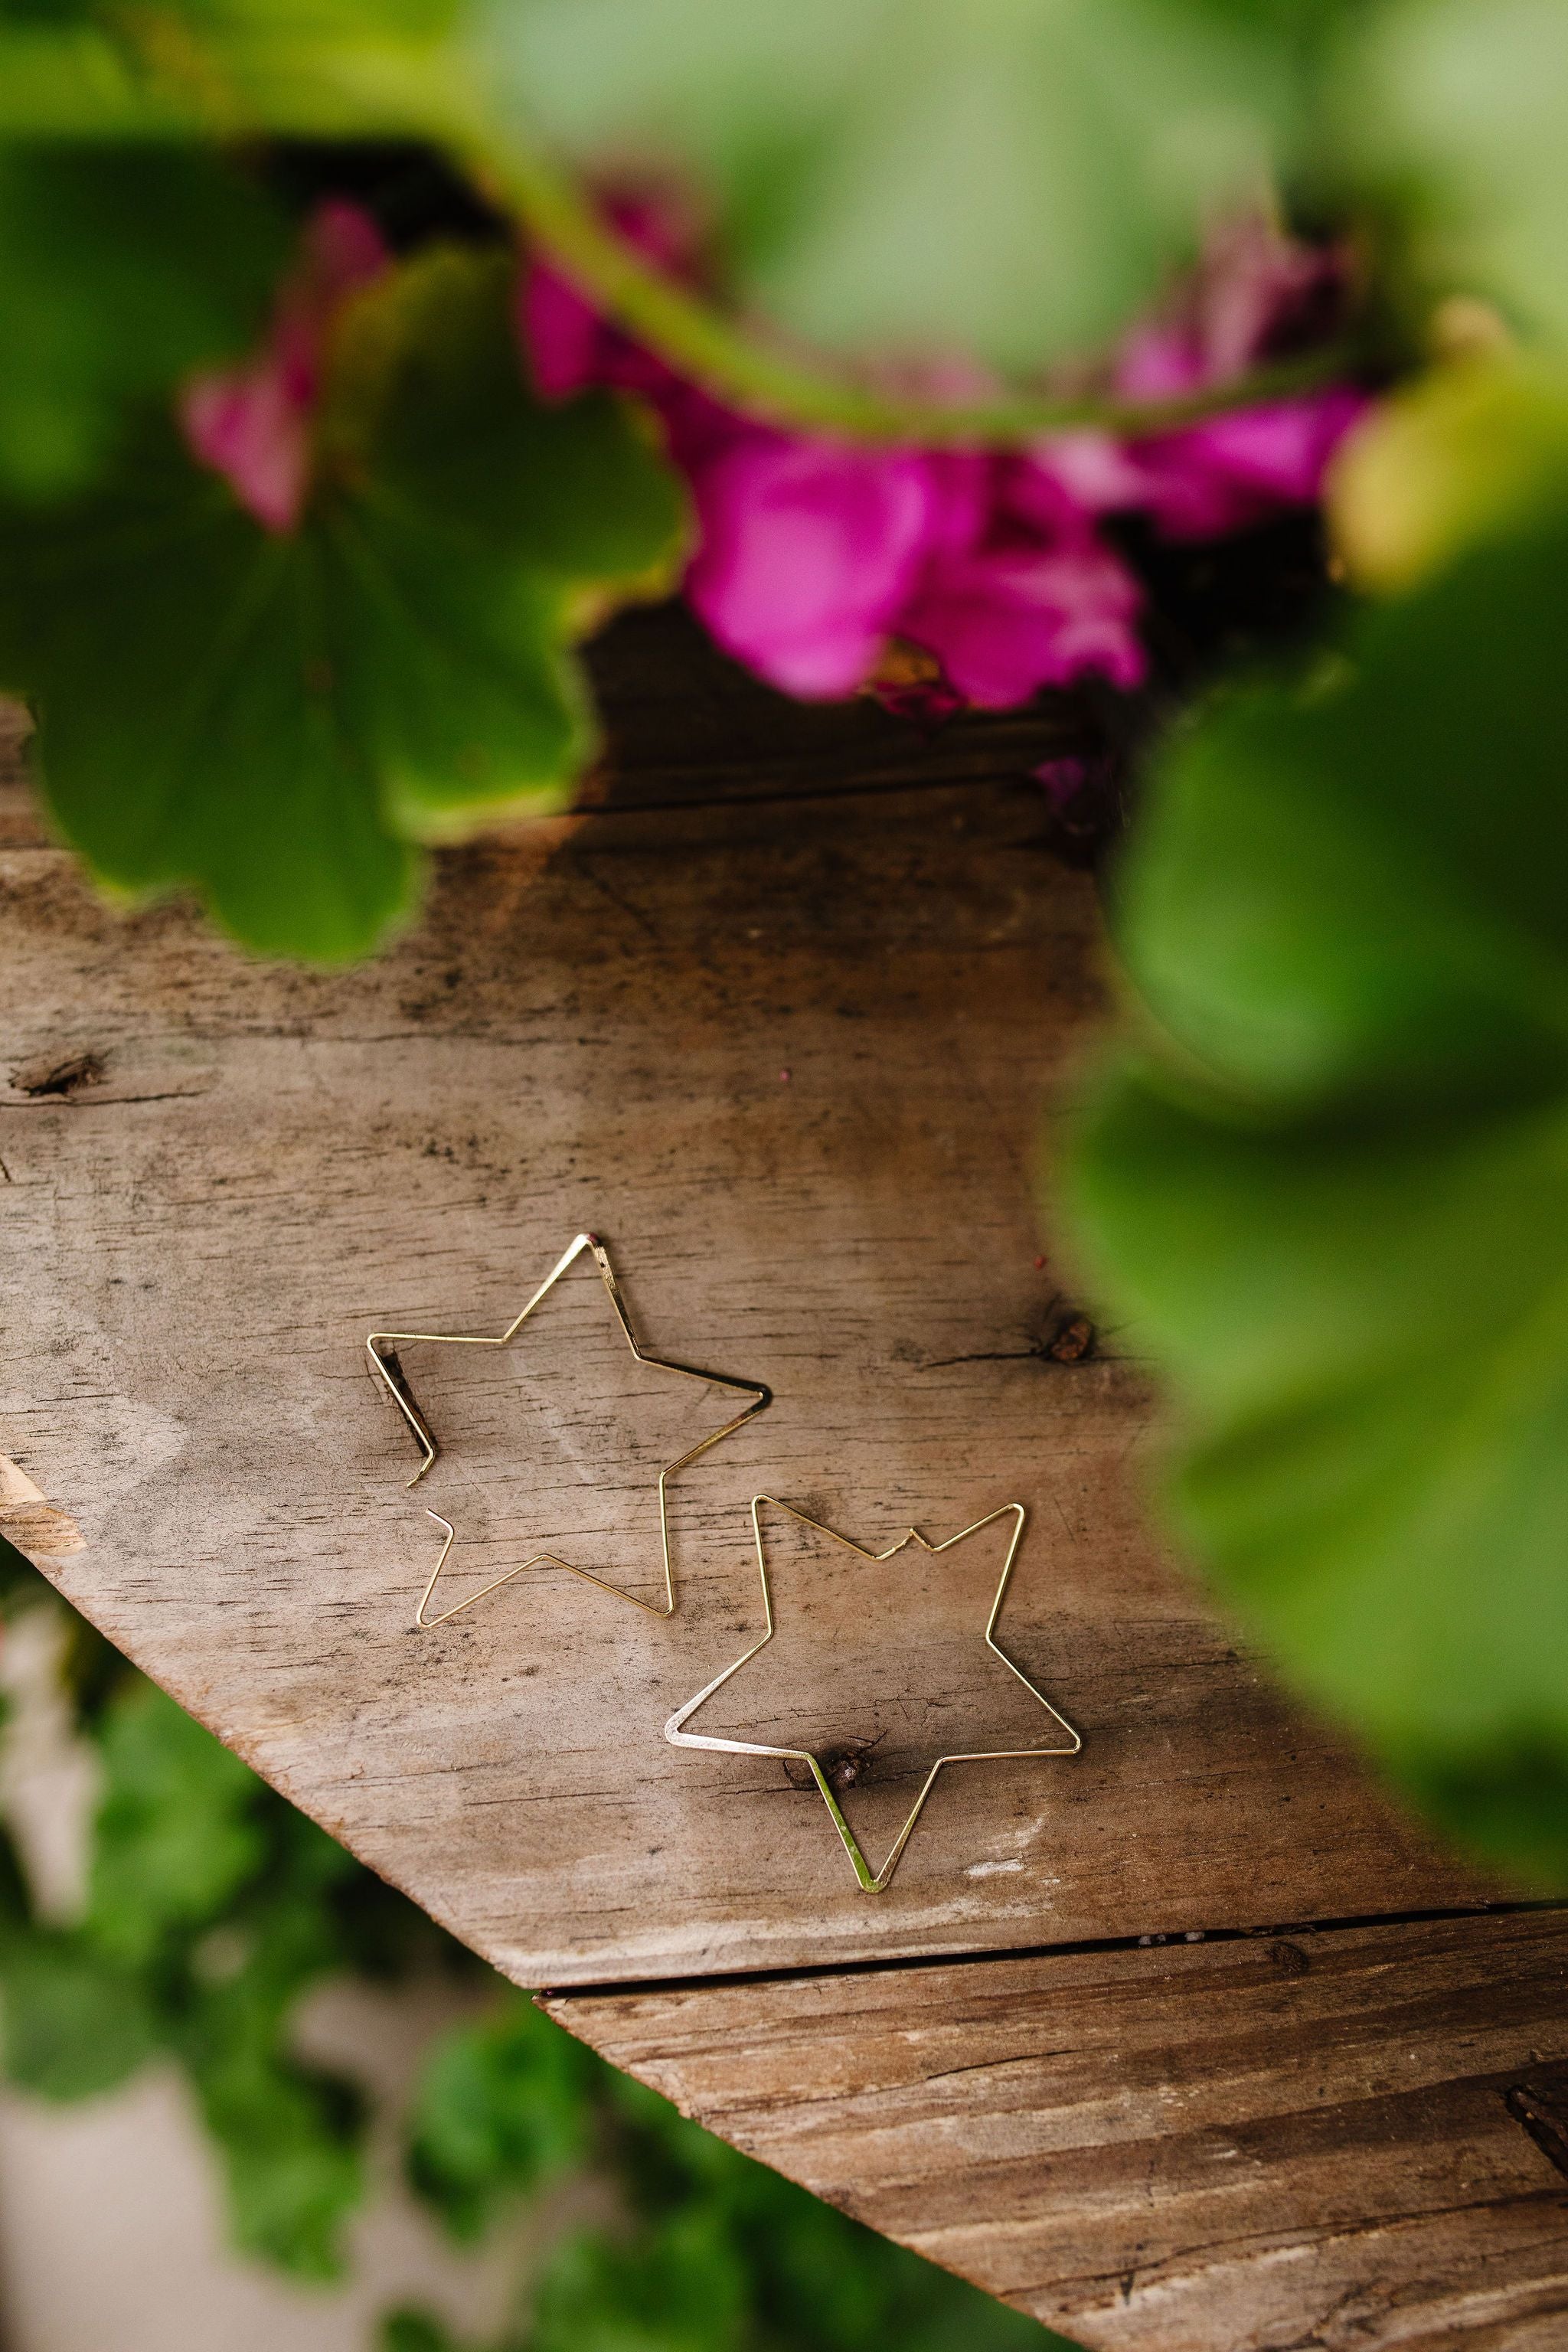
{"type": "Point", "coordinates": [290, 2134]}
{"type": "Point", "coordinates": [1469, 100]}
{"type": "Point", "coordinates": [290, 2140]}
{"type": "Point", "coordinates": [429, 395]}
{"type": "Point", "coordinates": [75, 2024]}
{"type": "Point", "coordinates": [1460, 455]}
{"type": "Point", "coordinates": [121, 270]}
{"type": "Point", "coordinates": [175, 1839]}
{"type": "Point", "coordinates": [411, 2330]}
{"type": "Point", "coordinates": [302, 23]}
{"type": "Point", "coordinates": [1008, 178]}
{"type": "Point", "coordinates": [1329, 1187]}
{"type": "Point", "coordinates": [216, 1901]}
{"type": "Point", "coordinates": [227, 69]}
{"type": "Point", "coordinates": [190, 728]}
{"type": "Point", "coordinates": [682, 2287]}
{"type": "Point", "coordinates": [501, 2106]}
{"type": "Point", "coordinates": [270, 717]}
{"type": "Point", "coordinates": [508, 517]}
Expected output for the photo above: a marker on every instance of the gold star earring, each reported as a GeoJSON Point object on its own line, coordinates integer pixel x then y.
{"type": "Point", "coordinates": [382, 1347]}
{"type": "Point", "coordinates": [873, 1881]}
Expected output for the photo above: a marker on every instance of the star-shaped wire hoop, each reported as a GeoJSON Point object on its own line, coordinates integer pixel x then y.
{"type": "Point", "coordinates": [383, 1346]}
{"type": "Point", "coordinates": [872, 1882]}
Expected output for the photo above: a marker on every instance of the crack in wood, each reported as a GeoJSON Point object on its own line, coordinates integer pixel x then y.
{"type": "Point", "coordinates": [1172, 1939]}
{"type": "Point", "coordinates": [103, 1102]}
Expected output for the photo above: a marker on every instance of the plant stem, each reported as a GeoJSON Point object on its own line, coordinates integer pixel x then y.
{"type": "Point", "coordinates": [84, 85]}
{"type": "Point", "coordinates": [704, 344]}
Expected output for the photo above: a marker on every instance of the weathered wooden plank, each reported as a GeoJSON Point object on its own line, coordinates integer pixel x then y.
{"type": "Point", "coordinates": [793, 1066]}
{"type": "Point", "coordinates": [1337, 2141]}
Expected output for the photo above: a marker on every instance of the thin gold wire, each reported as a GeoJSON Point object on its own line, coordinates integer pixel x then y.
{"type": "Point", "coordinates": [382, 1348]}
{"type": "Point", "coordinates": [872, 1882]}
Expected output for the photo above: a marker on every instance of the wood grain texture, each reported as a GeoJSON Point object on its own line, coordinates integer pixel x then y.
{"type": "Point", "coordinates": [1338, 2141]}
{"type": "Point", "coordinates": [792, 1063]}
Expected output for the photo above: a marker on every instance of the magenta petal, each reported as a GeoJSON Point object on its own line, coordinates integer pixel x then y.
{"type": "Point", "coordinates": [250, 427]}
{"type": "Point", "coordinates": [568, 344]}
{"type": "Point", "coordinates": [1007, 622]}
{"type": "Point", "coordinates": [1071, 475]}
{"type": "Point", "coordinates": [962, 492]}
{"type": "Point", "coordinates": [1189, 500]}
{"type": "Point", "coordinates": [1281, 451]}
{"type": "Point", "coordinates": [1253, 289]}
{"type": "Point", "coordinates": [343, 249]}
{"type": "Point", "coordinates": [1234, 469]}
{"type": "Point", "coordinates": [806, 553]}
{"type": "Point", "coordinates": [560, 333]}
{"type": "Point", "coordinates": [1061, 778]}
{"type": "Point", "coordinates": [252, 424]}
{"type": "Point", "coordinates": [1160, 362]}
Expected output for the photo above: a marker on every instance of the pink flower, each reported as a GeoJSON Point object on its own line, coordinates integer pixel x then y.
{"type": "Point", "coordinates": [252, 424]}
{"type": "Point", "coordinates": [1239, 468]}
{"type": "Point", "coordinates": [566, 340]}
{"type": "Point", "coordinates": [1020, 592]}
{"type": "Point", "coordinates": [807, 552]}
{"type": "Point", "coordinates": [1075, 474]}
{"type": "Point", "coordinates": [1255, 297]}
{"type": "Point", "coordinates": [1005, 621]}
{"type": "Point", "coordinates": [813, 557]}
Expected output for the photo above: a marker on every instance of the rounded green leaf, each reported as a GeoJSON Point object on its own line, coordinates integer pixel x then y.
{"type": "Point", "coordinates": [1469, 99]}
{"type": "Point", "coordinates": [501, 2106]}
{"type": "Point", "coordinates": [1330, 1189]}
{"type": "Point", "coordinates": [74, 2024]}
{"type": "Point", "coordinates": [1009, 177]}
{"type": "Point", "coordinates": [175, 1837]}
{"type": "Point", "coordinates": [275, 719]}
{"type": "Point", "coordinates": [180, 662]}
